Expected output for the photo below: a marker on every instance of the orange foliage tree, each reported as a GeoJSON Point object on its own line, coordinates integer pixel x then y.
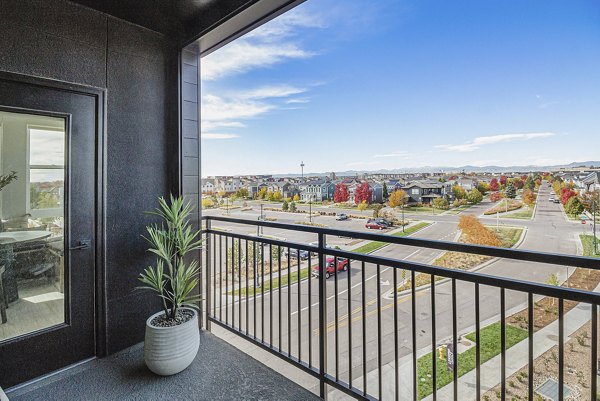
{"type": "Point", "coordinates": [477, 233]}
{"type": "Point", "coordinates": [529, 197]}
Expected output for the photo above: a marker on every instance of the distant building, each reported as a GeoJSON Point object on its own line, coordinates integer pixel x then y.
{"type": "Point", "coordinates": [425, 191]}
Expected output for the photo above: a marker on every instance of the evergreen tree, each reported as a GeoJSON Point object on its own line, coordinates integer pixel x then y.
{"type": "Point", "coordinates": [510, 191]}
{"type": "Point", "coordinates": [385, 191]}
{"type": "Point", "coordinates": [285, 205]}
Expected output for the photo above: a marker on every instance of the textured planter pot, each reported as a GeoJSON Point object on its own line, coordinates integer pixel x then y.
{"type": "Point", "coordinates": [169, 350]}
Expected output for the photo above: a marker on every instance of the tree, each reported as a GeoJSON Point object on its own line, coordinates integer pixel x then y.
{"type": "Point", "coordinates": [341, 193]}
{"type": "Point", "coordinates": [385, 191]}
{"type": "Point", "coordinates": [566, 194]}
{"type": "Point", "coordinates": [483, 187]}
{"type": "Point", "coordinates": [362, 205]}
{"type": "Point", "coordinates": [296, 198]}
{"type": "Point", "coordinates": [397, 198]}
{"type": "Point", "coordinates": [503, 180]}
{"type": "Point", "coordinates": [262, 193]}
{"type": "Point", "coordinates": [278, 196]}
{"type": "Point", "coordinates": [510, 191]}
{"type": "Point", "coordinates": [518, 183]}
{"type": "Point", "coordinates": [363, 193]}
{"type": "Point", "coordinates": [474, 196]}
{"type": "Point", "coordinates": [376, 210]}
{"type": "Point", "coordinates": [529, 183]}
{"type": "Point", "coordinates": [222, 194]}
{"type": "Point", "coordinates": [293, 207]}
{"type": "Point", "coordinates": [285, 206]}
{"type": "Point", "coordinates": [440, 203]}
{"type": "Point", "coordinates": [477, 233]}
{"type": "Point", "coordinates": [242, 193]}
{"type": "Point", "coordinates": [529, 197]}
{"type": "Point", "coordinates": [207, 203]}
{"type": "Point", "coordinates": [496, 196]}
{"type": "Point", "coordinates": [494, 185]}
{"type": "Point", "coordinates": [459, 192]}
{"type": "Point", "coordinates": [574, 206]}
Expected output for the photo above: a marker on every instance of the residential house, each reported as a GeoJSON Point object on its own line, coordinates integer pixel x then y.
{"type": "Point", "coordinates": [591, 182]}
{"type": "Point", "coordinates": [208, 186]}
{"type": "Point", "coordinates": [316, 191]}
{"type": "Point", "coordinates": [425, 191]}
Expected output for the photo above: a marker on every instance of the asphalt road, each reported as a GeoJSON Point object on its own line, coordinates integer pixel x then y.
{"type": "Point", "coordinates": [549, 231]}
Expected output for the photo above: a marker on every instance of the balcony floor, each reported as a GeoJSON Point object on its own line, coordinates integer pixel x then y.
{"type": "Point", "coordinates": [220, 372]}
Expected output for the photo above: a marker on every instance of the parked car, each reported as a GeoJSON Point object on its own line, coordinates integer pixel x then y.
{"type": "Point", "coordinates": [330, 269]}
{"type": "Point", "coordinates": [294, 253]}
{"type": "Point", "coordinates": [385, 222]}
{"type": "Point", "coordinates": [376, 225]}
{"type": "Point", "coordinates": [556, 201]}
{"type": "Point", "coordinates": [341, 216]}
{"type": "Point", "coordinates": [551, 199]}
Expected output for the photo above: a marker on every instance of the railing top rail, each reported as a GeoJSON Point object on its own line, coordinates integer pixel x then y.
{"type": "Point", "coordinates": [517, 254]}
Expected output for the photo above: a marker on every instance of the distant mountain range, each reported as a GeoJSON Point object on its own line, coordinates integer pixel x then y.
{"type": "Point", "coordinates": [448, 169]}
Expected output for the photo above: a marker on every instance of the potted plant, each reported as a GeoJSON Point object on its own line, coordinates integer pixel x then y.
{"type": "Point", "coordinates": [172, 336]}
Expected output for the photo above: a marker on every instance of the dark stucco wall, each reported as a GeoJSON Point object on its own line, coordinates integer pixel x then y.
{"type": "Point", "coordinates": [63, 41]}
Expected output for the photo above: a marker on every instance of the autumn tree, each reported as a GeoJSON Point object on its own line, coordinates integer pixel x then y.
{"type": "Point", "coordinates": [474, 196]}
{"type": "Point", "coordinates": [262, 193]}
{"type": "Point", "coordinates": [440, 203]}
{"type": "Point", "coordinates": [242, 193]}
{"type": "Point", "coordinates": [503, 180]}
{"type": "Point", "coordinates": [477, 233]}
{"type": "Point", "coordinates": [496, 196]}
{"type": "Point", "coordinates": [277, 196]}
{"type": "Point", "coordinates": [362, 206]}
{"type": "Point", "coordinates": [566, 194]}
{"type": "Point", "coordinates": [296, 198]}
{"type": "Point", "coordinates": [363, 193]}
{"type": "Point", "coordinates": [494, 185]}
{"type": "Point", "coordinates": [529, 197]}
{"type": "Point", "coordinates": [483, 187]}
{"type": "Point", "coordinates": [459, 192]}
{"type": "Point", "coordinates": [573, 206]}
{"type": "Point", "coordinates": [397, 198]}
{"type": "Point", "coordinates": [529, 183]}
{"type": "Point", "coordinates": [518, 183]}
{"type": "Point", "coordinates": [510, 191]}
{"type": "Point", "coordinates": [341, 193]}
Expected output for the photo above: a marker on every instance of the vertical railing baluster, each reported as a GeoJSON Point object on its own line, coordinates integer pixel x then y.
{"type": "Point", "coordinates": [322, 319]}
{"type": "Point", "coordinates": [214, 262]}
{"type": "Point", "coordinates": [530, 327]}
{"type": "Point", "coordinates": [220, 277]}
{"type": "Point", "coordinates": [279, 291]}
{"type": "Point", "coordinates": [454, 341]}
{"type": "Point", "coordinates": [239, 284]}
{"type": "Point", "coordinates": [364, 328]}
{"type": "Point", "coordinates": [246, 292]}
{"type": "Point", "coordinates": [208, 268]}
{"type": "Point", "coordinates": [310, 332]}
{"type": "Point", "coordinates": [413, 302]}
{"type": "Point", "coordinates": [594, 344]}
{"type": "Point", "coordinates": [233, 260]}
{"type": "Point", "coordinates": [262, 292]}
{"type": "Point", "coordinates": [349, 281]}
{"type": "Point", "coordinates": [433, 342]}
{"type": "Point", "coordinates": [255, 279]}
{"type": "Point", "coordinates": [270, 295]}
{"type": "Point", "coordinates": [503, 344]}
{"type": "Point", "coordinates": [226, 280]}
{"type": "Point", "coordinates": [561, 349]}
{"type": "Point", "coordinates": [379, 342]}
{"type": "Point", "coordinates": [336, 317]}
{"type": "Point", "coordinates": [396, 350]}
{"type": "Point", "coordinates": [289, 302]}
{"type": "Point", "coordinates": [477, 345]}
{"type": "Point", "coordinates": [299, 309]}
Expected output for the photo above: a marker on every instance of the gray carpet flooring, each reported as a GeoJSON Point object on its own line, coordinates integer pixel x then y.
{"type": "Point", "coordinates": [220, 372]}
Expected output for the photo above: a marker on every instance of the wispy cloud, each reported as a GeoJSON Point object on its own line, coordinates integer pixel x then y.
{"type": "Point", "coordinates": [275, 91]}
{"type": "Point", "coordinates": [363, 163]}
{"type": "Point", "coordinates": [297, 101]}
{"type": "Point", "coordinates": [218, 136]}
{"type": "Point", "coordinates": [480, 141]}
{"type": "Point", "coordinates": [393, 154]}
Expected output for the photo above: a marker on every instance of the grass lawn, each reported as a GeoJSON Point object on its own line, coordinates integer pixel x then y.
{"type": "Point", "coordinates": [375, 245]}
{"type": "Point", "coordinates": [507, 235]}
{"type": "Point", "coordinates": [283, 278]}
{"type": "Point", "coordinates": [525, 213]}
{"type": "Point", "coordinates": [489, 348]}
{"type": "Point", "coordinates": [588, 245]}
{"type": "Point", "coordinates": [422, 209]}
{"type": "Point", "coordinates": [459, 209]}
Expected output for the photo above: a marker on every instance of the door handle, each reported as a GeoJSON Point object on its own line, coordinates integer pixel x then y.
{"type": "Point", "coordinates": [83, 244]}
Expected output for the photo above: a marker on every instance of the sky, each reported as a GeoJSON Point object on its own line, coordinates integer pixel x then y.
{"type": "Point", "coordinates": [392, 84]}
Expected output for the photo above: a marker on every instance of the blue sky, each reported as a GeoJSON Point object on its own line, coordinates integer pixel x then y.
{"type": "Point", "coordinates": [361, 85]}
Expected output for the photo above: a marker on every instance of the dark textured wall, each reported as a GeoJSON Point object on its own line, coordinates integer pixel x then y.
{"type": "Point", "coordinates": [63, 41]}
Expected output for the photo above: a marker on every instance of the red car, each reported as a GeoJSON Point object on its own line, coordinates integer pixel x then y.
{"type": "Point", "coordinates": [330, 270]}
{"type": "Point", "coordinates": [374, 224]}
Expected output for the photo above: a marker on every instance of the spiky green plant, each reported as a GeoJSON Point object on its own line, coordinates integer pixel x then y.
{"type": "Point", "coordinates": [172, 278]}
{"type": "Point", "coordinates": [7, 179]}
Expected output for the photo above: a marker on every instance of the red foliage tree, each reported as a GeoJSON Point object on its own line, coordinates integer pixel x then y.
{"type": "Point", "coordinates": [524, 177]}
{"type": "Point", "coordinates": [494, 185]}
{"type": "Point", "coordinates": [363, 193]}
{"type": "Point", "coordinates": [518, 183]}
{"type": "Point", "coordinates": [341, 193]}
{"type": "Point", "coordinates": [567, 194]}
{"type": "Point", "coordinates": [503, 180]}
{"type": "Point", "coordinates": [496, 196]}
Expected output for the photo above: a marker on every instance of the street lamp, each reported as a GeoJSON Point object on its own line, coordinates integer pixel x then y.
{"type": "Point", "coordinates": [310, 209]}
{"type": "Point", "coordinates": [594, 226]}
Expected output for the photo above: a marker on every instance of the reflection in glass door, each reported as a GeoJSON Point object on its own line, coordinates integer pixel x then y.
{"type": "Point", "coordinates": [32, 212]}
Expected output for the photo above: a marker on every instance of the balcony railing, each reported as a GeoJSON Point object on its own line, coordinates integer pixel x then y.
{"type": "Point", "coordinates": [262, 289]}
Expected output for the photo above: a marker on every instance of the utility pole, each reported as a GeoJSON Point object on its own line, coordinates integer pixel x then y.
{"type": "Point", "coordinates": [403, 216]}
{"type": "Point", "coordinates": [302, 167]}
{"type": "Point", "coordinates": [310, 209]}
{"type": "Point", "coordinates": [594, 222]}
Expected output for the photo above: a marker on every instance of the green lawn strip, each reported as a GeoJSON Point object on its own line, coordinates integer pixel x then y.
{"type": "Point", "coordinates": [375, 245]}
{"type": "Point", "coordinates": [370, 247]}
{"type": "Point", "coordinates": [489, 346]}
{"type": "Point", "coordinates": [459, 209]}
{"type": "Point", "coordinates": [525, 213]}
{"type": "Point", "coordinates": [588, 245]}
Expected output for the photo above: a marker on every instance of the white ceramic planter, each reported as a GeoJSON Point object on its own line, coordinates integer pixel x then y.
{"type": "Point", "coordinates": [169, 350]}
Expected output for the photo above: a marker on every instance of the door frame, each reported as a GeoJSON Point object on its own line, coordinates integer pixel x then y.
{"type": "Point", "coordinates": [99, 95]}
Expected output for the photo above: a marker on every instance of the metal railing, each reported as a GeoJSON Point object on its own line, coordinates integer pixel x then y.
{"type": "Point", "coordinates": [248, 276]}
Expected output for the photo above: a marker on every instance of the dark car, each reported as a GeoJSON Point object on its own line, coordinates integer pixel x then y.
{"type": "Point", "coordinates": [330, 269]}
{"type": "Point", "coordinates": [295, 253]}
{"type": "Point", "coordinates": [376, 225]}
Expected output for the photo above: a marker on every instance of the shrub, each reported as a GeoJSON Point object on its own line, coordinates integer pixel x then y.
{"type": "Point", "coordinates": [496, 196]}
{"type": "Point", "coordinates": [285, 205]}
{"type": "Point", "coordinates": [207, 203]}
{"type": "Point", "coordinates": [459, 202]}
{"type": "Point", "coordinates": [440, 203]}
{"type": "Point", "coordinates": [292, 207]}
{"type": "Point", "coordinates": [474, 196]}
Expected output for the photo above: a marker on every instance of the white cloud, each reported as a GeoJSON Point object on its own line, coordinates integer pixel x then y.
{"type": "Point", "coordinates": [271, 92]}
{"type": "Point", "coordinates": [218, 136]}
{"type": "Point", "coordinates": [297, 101]}
{"type": "Point", "coordinates": [480, 141]}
